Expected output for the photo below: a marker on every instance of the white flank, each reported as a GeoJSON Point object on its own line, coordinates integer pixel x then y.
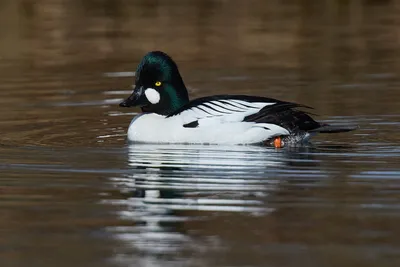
{"type": "Point", "coordinates": [218, 122]}
{"type": "Point", "coordinates": [152, 95]}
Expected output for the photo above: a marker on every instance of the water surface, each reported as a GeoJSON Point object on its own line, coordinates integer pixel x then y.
{"type": "Point", "coordinates": [73, 192]}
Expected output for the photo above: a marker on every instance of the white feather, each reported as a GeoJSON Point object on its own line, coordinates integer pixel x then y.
{"type": "Point", "coordinates": [227, 110]}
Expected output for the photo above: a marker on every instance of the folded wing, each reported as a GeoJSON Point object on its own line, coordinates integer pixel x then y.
{"type": "Point", "coordinates": [221, 109]}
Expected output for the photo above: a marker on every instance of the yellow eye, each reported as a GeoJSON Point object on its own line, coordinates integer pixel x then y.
{"type": "Point", "coordinates": [158, 83]}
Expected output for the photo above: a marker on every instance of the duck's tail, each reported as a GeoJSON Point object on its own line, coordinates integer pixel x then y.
{"type": "Point", "coordinates": [326, 128]}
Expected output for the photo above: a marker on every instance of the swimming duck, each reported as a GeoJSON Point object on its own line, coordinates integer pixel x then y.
{"type": "Point", "coordinates": [168, 116]}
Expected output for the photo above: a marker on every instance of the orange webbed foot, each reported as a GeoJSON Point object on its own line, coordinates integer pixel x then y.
{"type": "Point", "coordinates": [278, 143]}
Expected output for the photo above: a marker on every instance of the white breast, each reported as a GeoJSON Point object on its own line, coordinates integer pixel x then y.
{"type": "Point", "coordinates": [154, 128]}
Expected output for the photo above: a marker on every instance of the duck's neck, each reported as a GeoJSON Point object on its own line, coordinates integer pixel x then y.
{"type": "Point", "coordinates": [177, 98]}
{"type": "Point", "coordinates": [177, 93]}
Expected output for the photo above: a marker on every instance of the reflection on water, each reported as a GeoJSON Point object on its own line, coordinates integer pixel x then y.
{"type": "Point", "coordinates": [170, 185]}
{"type": "Point", "coordinates": [172, 193]}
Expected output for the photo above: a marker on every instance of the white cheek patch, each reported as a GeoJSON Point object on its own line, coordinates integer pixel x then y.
{"type": "Point", "coordinates": [152, 95]}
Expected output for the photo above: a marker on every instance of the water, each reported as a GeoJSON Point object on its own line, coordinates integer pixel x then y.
{"type": "Point", "coordinates": [74, 193]}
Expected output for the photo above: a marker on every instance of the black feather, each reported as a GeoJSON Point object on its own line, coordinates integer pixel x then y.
{"type": "Point", "coordinates": [285, 114]}
{"type": "Point", "coordinates": [192, 124]}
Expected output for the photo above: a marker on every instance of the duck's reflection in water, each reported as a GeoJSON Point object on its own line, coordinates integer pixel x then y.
{"type": "Point", "coordinates": [170, 186]}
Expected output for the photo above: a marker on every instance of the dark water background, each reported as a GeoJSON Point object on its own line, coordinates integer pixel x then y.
{"type": "Point", "coordinates": [73, 193]}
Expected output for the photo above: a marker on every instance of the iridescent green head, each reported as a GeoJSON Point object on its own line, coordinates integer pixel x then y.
{"type": "Point", "coordinates": [159, 87]}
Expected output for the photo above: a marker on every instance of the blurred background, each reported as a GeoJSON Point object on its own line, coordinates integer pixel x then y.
{"type": "Point", "coordinates": [72, 192]}
{"type": "Point", "coordinates": [306, 51]}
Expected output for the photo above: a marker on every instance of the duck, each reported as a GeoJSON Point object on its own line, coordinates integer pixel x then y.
{"type": "Point", "coordinates": [169, 116]}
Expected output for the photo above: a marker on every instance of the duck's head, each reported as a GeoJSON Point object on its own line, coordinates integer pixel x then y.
{"type": "Point", "coordinates": [158, 86]}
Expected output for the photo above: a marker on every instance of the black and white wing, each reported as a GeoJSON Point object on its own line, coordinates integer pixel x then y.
{"type": "Point", "coordinates": [241, 108]}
